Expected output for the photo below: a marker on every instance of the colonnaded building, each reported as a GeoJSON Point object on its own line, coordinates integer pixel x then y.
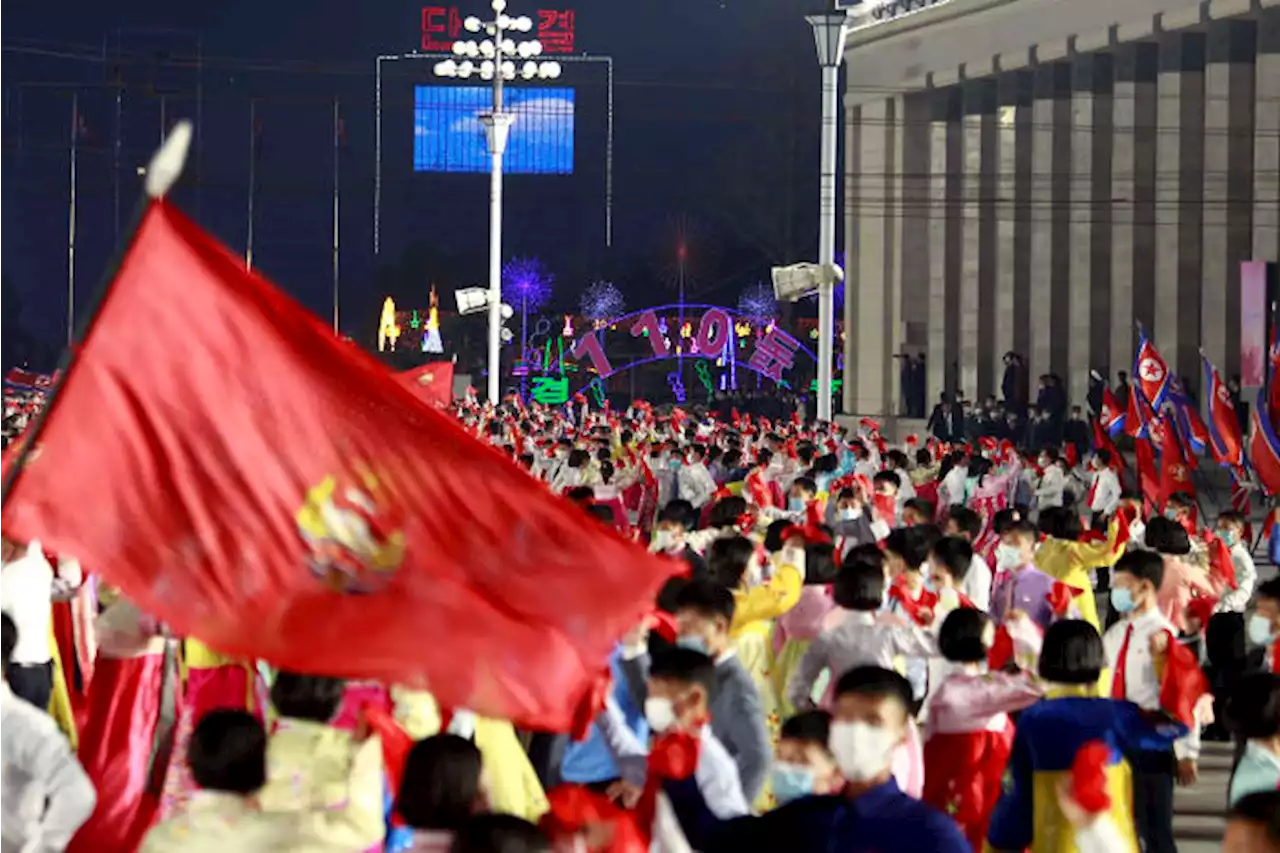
{"type": "Point", "coordinates": [1037, 175]}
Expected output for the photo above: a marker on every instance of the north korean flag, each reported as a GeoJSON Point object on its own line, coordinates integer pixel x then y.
{"type": "Point", "coordinates": [1150, 372]}
{"type": "Point", "coordinates": [1225, 442]}
{"type": "Point", "coordinates": [1112, 416]}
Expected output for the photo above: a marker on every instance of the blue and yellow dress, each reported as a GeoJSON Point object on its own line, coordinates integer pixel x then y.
{"type": "Point", "coordinates": [1049, 735]}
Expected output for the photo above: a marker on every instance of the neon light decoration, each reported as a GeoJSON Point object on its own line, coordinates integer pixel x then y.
{"type": "Point", "coordinates": [713, 336]}
{"type": "Point", "coordinates": [388, 331]}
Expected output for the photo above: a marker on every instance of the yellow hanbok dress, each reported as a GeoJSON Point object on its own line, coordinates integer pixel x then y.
{"type": "Point", "coordinates": [1070, 562]}
{"type": "Point", "coordinates": [512, 785]}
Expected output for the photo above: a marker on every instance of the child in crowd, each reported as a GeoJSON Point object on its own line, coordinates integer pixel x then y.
{"type": "Point", "coordinates": [968, 734]}
{"type": "Point", "coordinates": [1253, 715]}
{"type": "Point", "coordinates": [1231, 530]}
{"type": "Point", "coordinates": [804, 764]}
{"type": "Point", "coordinates": [1019, 585]}
{"type": "Point", "coordinates": [965, 523]}
{"type": "Point", "coordinates": [440, 790]}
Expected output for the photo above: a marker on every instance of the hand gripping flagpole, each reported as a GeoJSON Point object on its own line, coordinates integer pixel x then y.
{"type": "Point", "coordinates": [161, 174]}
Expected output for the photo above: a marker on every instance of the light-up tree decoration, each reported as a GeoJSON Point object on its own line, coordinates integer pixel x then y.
{"type": "Point", "coordinates": [758, 303]}
{"type": "Point", "coordinates": [388, 331]}
{"type": "Point", "coordinates": [602, 302]}
{"type": "Point", "coordinates": [431, 341]}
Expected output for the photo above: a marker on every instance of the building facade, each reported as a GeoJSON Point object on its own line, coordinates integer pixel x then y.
{"type": "Point", "coordinates": [1039, 176]}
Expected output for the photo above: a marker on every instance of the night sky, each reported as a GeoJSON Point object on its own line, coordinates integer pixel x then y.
{"type": "Point", "coordinates": [715, 143]}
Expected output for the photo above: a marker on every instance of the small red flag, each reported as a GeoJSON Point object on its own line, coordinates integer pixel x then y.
{"type": "Point", "coordinates": [255, 482]}
{"type": "Point", "coordinates": [431, 382]}
{"type": "Point", "coordinates": [1148, 477]}
{"type": "Point", "coordinates": [1175, 472]}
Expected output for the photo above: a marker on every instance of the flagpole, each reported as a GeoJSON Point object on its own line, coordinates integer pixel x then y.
{"type": "Point", "coordinates": [162, 172]}
{"type": "Point", "coordinates": [336, 120]}
{"type": "Point", "coordinates": [71, 220]}
{"type": "Point", "coordinates": [253, 179]}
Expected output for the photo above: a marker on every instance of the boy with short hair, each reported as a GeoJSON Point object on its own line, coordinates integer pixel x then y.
{"type": "Point", "coordinates": [1263, 626]}
{"type": "Point", "coordinates": [1020, 586]}
{"type": "Point", "coordinates": [1142, 652]}
{"type": "Point", "coordinates": [967, 524]}
{"type": "Point", "coordinates": [804, 764]}
{"type": "Point", "coordinates": [1231, 530]}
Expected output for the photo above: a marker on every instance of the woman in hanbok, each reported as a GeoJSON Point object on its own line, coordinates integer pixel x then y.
{"type": "Point", "coordinates": [1050, 732]}
{"type": "Point", "coordinates": [313, 765]}
{"type": "Point", "coordinates": [968, 733]}
{"type": "Point", "coordinates": [1063, 557]}
{"type": "Point", "coordinates": [134, 700]}
{"type": "Point", "coordinates": [795, 630]}
{"type": "Point", "coordinates": [512, 785]}
{"type": "Point", "coordinates": [213, 681]}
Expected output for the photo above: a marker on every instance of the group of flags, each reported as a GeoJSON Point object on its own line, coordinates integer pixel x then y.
{"type": "Point", "coordinates": [1169, 432]}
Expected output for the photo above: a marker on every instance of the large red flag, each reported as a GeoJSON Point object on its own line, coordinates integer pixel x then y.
{"type": "Point", "coordinates": [1264, 446]}
{"type": "Point", "coordinates": [431, 382]}
{"type": "Point", "coordinates": [257, 483]}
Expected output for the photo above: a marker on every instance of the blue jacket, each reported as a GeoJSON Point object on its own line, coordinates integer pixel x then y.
{"type": "Point", "coordinates": [592, 760]}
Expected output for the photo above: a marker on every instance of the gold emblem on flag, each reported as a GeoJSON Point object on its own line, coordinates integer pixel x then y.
{"type": "Point", "coordinates": [355, 544]}
{"type": "Point", "coordinates": [426, 379]}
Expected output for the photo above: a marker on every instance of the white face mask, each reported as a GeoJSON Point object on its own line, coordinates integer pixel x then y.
{"type": "Point", "coordinates": [862, 751]}
{"type": "Point", "coordinates": [660, 713]}
{"type": "Point", "coordinates": [1008, 557]}
{"type": "Point", "coordinates": [666, 541]}
{"type": "Point", "coordinates": [1259, 629]}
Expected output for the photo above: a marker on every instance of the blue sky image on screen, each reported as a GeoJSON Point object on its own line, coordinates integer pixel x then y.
{"type": "Point", "coordinates": [448, 136]}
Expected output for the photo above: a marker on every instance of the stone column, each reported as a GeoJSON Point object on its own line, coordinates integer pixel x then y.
{"type": "Point", "coordinates": [876, 339]}
{"type": "Point", "coordinates": [912, 238]}
{"type": "Point", "coordinates": [1179, 199]}
{"type": "Point", "coordinates": [1266, 139]}
{"type": "Point", "coordinates": [1089, 342]}
{"type": "Point", "coordinates": [1228, 186]}
{"type": "Point", "coordinates": [852, 250]}
{"type": "Point", "coordinates": [1050, 237]}
{"type": "Point", "coordinates": [1133, 177]}
{"type": "Point", "coordinates": [944, 244]}
{"type": "Point", "coordinates": [977, 238]}
{"type": "Point", "coordinates": [1013, 217]}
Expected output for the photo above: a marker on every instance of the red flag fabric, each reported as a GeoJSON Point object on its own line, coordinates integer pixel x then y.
{"type": "Point", "coordinates": [431, 382]}
{"type": "Point", "coordinates": [1089, 777]}
{"type": "Point", "coordinates": [310, 511]}
{"type": "Point", "coordinates": [1225, 442]}
{"type": "Point", "coordinates": [1175, 472]}
{"type": "Point", "coordinates": [1112, 415]}
{"type": "Point", "coordinates": [1181, 683]}
{"type": "Point", "coordinates": [1102, 441]}
{"type": "Point", "coordinates": [1264, 447]}
{"type": "Point", "coordinates": [1148, 477]}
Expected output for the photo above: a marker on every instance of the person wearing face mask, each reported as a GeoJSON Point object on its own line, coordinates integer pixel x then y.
{"type": "Point", "coordinates": [1053, 480]}
{"type": "Point", "coordinates": [1148, 666]}
{"type": "Point", "coordinates": [694, 481]}
{"type": "Point", "coordinates": [1019, 585]}
{"type": "Point", "coordinates": [704, 612]}
{"type": "Point", "coordinates": [804, 764]}
{"type": "Point", "coordinates": [1253, 715]}
{"type": "Point", "coordinates": [802, 493]}
{"type": "Point", "coordinates": [849, 521]}
{"type": "Point", "coordinates": [679, 686]}
{"type": "Point", "coordinates": [969, 734]}
{"type": "Point", "coordinates": [1049, 734]}
{"type": "Point", "coordinates": [869, 814]}
{"type": "Point", "coordinates": [1064, 557]}
{"type": "Point", "coordinates": [1263, 626]}
{"type": "Point", "coordinates": [1181, 508]}
{"type": "Point", "coordinates": [1231, 530]}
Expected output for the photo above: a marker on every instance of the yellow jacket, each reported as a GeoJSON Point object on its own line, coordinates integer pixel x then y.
{"type": "Point", "coordinates": [768, 600]}
{"type": "Point", "coordinates": [320, 771]}
{"type": "Point", "coordinates": [1070, 562]}
{"type": "Point", "coordinates": [512, 784]}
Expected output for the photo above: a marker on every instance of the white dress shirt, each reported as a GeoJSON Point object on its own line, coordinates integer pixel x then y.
{"type": "Point", "coordinates": [46, 794]}
{"type": "Point", "coordinates": [1106, 492]}
{"type": "Point", "coordinates": [1052, 485]}
{"type": "Point", "coordinates": [1142, 687]}
{"type": "Point", "coordinates": [26, 594]}
{"type": "Point", "coordinates": [977, 583]}
{"type": "Point", "coordinates": [696, 484]}
{"type": "Point", "coordinates": [1236, 600]}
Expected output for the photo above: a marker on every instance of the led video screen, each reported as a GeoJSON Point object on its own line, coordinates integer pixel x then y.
{"type": "Point", "coordinates": [448, 136]}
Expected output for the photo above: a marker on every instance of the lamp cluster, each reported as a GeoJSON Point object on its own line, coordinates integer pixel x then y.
{"type": "Point", "coordinates": [497, 55]}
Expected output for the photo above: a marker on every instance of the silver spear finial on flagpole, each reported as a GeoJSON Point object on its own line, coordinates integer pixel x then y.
{"type": "Point", "coordinates": [166, 164]}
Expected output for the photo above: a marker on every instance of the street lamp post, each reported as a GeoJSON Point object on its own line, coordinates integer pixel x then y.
{"type": "Point", "coordinates": [494, 59]}
{"type": "Point", "coordinates": [829, 31]}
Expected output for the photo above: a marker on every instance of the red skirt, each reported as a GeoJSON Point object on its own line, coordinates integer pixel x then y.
{"type": "Point", "coordinates": [962, 776]}
{"type": "Point", "coordinates": [116, 748]}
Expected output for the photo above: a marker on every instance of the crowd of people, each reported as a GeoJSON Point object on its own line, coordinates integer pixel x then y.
{"type": "Point", "coordinates": [932, 646]}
